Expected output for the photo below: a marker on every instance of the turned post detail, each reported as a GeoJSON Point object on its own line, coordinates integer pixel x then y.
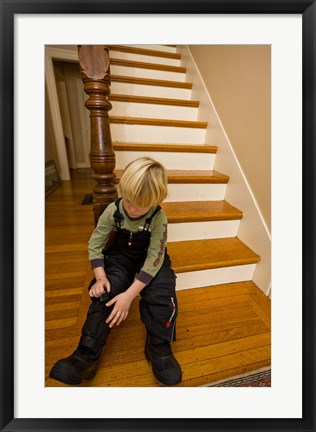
{"type": "Point", "coordinates": [95, 73]}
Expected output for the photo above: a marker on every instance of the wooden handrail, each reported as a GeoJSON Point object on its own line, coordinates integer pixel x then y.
{"type": "Point", "coordinates": [95, 73]}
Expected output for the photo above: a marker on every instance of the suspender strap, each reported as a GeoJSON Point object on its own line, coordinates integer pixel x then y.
{"type": "Point", "coordinates": [148, 220]}
{"type": "Point", "coordinates": [118, 217]}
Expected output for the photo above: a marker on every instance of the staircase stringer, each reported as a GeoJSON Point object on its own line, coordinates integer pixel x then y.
{"type": "Point", "coordinates": [252, 229]}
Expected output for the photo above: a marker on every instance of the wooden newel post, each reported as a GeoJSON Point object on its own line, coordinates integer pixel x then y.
{"type": "Point", "coordinates": [95, 73]}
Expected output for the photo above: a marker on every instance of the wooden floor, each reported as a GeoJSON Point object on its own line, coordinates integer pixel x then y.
{"type": "Point", "coordinates": [222, 331]}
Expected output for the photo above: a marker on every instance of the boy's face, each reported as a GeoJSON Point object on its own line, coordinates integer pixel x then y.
{"type": "Point", "coordinates": [133, 210]}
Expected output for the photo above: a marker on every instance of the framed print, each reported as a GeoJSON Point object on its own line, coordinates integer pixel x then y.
{"type": "Point", "coordinates": [27, 29]}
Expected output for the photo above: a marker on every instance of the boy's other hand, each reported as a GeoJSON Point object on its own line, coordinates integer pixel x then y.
{"type": "Point", "coordinates": [99, 287]}
{"type": "Point", "coordinates": [122, 303]}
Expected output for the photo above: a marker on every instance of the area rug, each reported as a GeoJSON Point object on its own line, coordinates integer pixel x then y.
{"type": "Point", "coordinates": [255, 379]}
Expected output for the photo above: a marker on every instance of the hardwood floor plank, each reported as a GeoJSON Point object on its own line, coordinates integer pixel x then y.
{"type": "Point", "coordinates": [63, 261]}
{"type": "Point", "coordinates": [60, 323]}
{"type": "Point", "coordinates": [224, 374]}
{"type": "Point", "coordinates": [60, 313]}
{"type": "Point", "coordinates": [262, 306]}
{"type": "Point", "coordinates": [55, 281]}
{"type": "Point", "coordinates": [62, 334]}
{"type": "Point", "coordinates": [217, 304]}
{"type": "Point", "coordinates": [64, 306]}
{"type": "Point", "coordinates": [202, 353]}
{"type": "Point", "coordinates": [63, 345]}
{"type": "Point", "coordinates": [214, 292]}
{"type": "Point", "coordinates": [218, 364]}
{"type": "Point", "coordinates": [58, 234]}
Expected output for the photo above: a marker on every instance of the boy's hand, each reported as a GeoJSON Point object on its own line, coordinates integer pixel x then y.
{"type": "Point", "coordinates": [120, 311]}
{"type": "Point", "coordinates": [99, 287]}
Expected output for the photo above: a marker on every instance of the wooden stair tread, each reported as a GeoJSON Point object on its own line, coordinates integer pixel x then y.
{"type": "Point", "coordinates": [157, 147]}
{"type": "Point", "coordinates": [144, 65]}
{"type": "Point", "coordinates": [151, 82]}
{"type": "Point", "coordinates": [197, 255]}
{"type": "Point", "coordinates": [182, 176]}
{"type": "Point", "coordinates": [157, 122]}
{"type": "Point", "coordinates": [198, 176]}
{"type": "Point", "coordinates": [200, 211]}
{"type": "Point", "coordinates": [153, 100]}
{"type": "Point", "coordinates": [144, 51]}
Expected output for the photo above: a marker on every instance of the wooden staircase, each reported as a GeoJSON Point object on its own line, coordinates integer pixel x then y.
{"type": "Point", "coordinates": [224, 320]}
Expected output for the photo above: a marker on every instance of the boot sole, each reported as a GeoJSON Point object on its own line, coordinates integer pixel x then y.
{"type": "Point", "coordinates": [62, 376]}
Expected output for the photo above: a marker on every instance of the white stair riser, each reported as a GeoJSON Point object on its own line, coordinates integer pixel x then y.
{"type": "Point", "coordinates": [182, 161]}
{"type": "Point", "coordinates": [150, 90]}
{"type": "Point", "coordinates": [160, 134]}
{"type": "Point", "coordinates": [202, 230]}
{"type": "Point", "coordinates": [147, 73]}
{"type": "Point", "coordinates": [156, 47]}
{"type": "Point", "coordinates": [134, 109]}
{"type": "Point", "coordinates": [196, 192]}
{"type": "Point", "coordinates": [144, 58]}
{"type": "Point", "coordinates": [216, 276]}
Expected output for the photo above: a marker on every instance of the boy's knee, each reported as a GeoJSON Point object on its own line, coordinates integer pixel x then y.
{"type": "Point", "coordinates": [165, 279]}
{"type": "Point", "coordinates": [119, 282]}
{"type": "Point", "coordinates": [160, 289]}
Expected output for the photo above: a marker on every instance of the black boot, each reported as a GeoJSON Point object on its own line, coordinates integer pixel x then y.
{"type": "Point", "coordinates": [164, 365]}
{"type": "Point", "coordinates": [81, 365]}
{"type": "Point", "coordinates": [75, 368]}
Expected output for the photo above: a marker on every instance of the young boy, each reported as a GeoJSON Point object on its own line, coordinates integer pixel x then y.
{"type": "Point", "coordinates": [127, 252]}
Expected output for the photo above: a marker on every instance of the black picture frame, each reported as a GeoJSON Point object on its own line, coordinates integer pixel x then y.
{"type": "Point", "coordinates": [8, 10]}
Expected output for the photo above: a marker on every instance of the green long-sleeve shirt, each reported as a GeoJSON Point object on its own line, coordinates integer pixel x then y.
{"type": "Point", "coordinates": [157, 246]}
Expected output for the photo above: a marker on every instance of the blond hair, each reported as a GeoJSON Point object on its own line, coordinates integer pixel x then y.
{"type": "Point", "coordinates": [144, 182]}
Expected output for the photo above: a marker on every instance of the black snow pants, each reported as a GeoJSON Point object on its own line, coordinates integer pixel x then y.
{"type": "Point", "coordinates": [158, 303]}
